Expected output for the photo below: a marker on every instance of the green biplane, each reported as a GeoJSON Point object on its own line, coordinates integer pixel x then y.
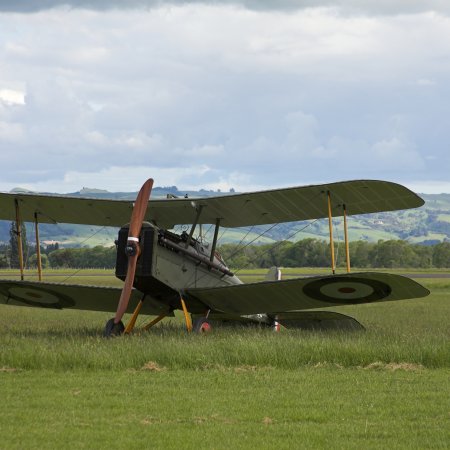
{"type": "Point", "coordinates": [164, 271]}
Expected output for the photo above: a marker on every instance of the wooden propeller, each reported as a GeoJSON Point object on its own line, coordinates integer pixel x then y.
{"type": "Point", "coordinates": [133, 249]}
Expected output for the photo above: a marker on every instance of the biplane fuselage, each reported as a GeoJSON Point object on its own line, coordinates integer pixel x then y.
{"type": "Point", "coordinates": [170, 263]}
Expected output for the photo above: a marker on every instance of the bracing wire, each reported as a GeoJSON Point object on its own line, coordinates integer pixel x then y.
{"type": "Point", "coordinates": [81, 243]}
{"type": "Point", "coordinates": [241, 241]}
{"type": "Point", "coordinates": [253, 240]}
{"type": "Point", "coordinates": [292, 235]}
{"type": "Point", "coordinates": [92, 235]}
{"type": "Point", "coordinates": [289, 237]}
{"type": "Point", "coordinates": [239, 249]}
{"type": "Point", "coordinates": [193, 279]}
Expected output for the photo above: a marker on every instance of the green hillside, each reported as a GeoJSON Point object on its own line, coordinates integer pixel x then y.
{"type": "Point", "coordinates": [428, 224]}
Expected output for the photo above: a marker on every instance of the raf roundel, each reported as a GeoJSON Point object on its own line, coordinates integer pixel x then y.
{"type": "Point", "coordinates": [45, 298]}
{"type": "Point", "coordinates": [349, 290]}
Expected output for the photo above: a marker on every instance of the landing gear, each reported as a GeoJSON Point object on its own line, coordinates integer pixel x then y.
{"type": "Point", "coordinates": [276, 325]}
{"type": "Point", "coordinates": [201, 325]}
{"type": "Point", "coordinates": [113, 329]}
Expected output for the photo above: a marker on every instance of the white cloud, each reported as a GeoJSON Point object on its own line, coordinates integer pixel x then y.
{"type": "Point", "coordinates": [12, 97]}
{"type": "Point", "coordinates": [243, 181]}
{"type": "Point", "coordinates": [118, 179]}
{"type": "Point", "coordinates": [429, 186]}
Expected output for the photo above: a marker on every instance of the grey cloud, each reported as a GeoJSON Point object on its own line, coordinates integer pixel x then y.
{"type": "Point", "coordinates": [170, 95]}
{"type": "Point", "coordinates": [383, 7]}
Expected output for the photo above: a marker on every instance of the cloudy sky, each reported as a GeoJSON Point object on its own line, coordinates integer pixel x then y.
{"type": "Point", "coordinates": [245, 94]}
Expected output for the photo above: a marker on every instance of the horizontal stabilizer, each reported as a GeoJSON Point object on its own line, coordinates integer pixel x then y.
{"type": "Point", "coordinates": [308, 293]}
{"type": "Point", "coordinates": [318, 320]}
{"type": "Point", "coordinates": [59, 296]}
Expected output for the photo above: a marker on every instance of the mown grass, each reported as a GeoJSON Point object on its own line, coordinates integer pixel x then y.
{"type": "Point", "coordinates": [244, 407]}
{"type": "Point", "coordinates": [62, 383]}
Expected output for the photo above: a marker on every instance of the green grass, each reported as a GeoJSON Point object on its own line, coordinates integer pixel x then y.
{"type": "Point", "coordinates": [388, 387]}
{"type": "Point", "coordinates": [430, 236]}
{"type": "Point", "coordinates": [225, 408]}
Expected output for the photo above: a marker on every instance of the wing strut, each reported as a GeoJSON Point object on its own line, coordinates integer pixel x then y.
{"type": "Point", "coordinates": [130, 326]}
{"type": "Point", "coordinates": [191, 233]}
{"type": "Point", "coordinates": [347, 247]}
{"type": "Point", "coordinates": [38, 246]}
{"type": "Point", "coordinates": [214, 243]}
{"type": "Point", "coordinates": [187, 317]}
{"type": "Point", "coordinates": [155, 321]}
{"type": "Point", "coordinates": [19, 237]}
{"type": "Point", "coordinates": [330, 225]}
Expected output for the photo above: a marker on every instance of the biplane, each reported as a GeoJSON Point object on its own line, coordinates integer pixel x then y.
{"type": "Point", "coordinates": [164, 271]}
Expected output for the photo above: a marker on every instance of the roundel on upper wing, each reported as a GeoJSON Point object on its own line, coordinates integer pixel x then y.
{"type": "Point", "coordinates": [42, 297]}
{"type": "Point", "coordinates": [349, 290]}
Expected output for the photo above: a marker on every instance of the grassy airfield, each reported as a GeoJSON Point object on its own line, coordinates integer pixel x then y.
{"type": "Point", "coordinates": [62, 384]}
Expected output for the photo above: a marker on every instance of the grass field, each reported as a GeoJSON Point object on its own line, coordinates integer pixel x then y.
{"type": "Point", "coordinates": [62, 384]}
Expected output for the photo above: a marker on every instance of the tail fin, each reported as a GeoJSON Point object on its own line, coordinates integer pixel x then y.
{"type": "Point", "coordinates": [274, 274]}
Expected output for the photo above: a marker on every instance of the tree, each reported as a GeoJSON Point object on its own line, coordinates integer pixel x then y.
{"type": "Point", "coordinates": [61, 258]}
{"type": "Point", "coordinates": [33, 261]}
{"type": "Point", "coordinates": [425, 256]}
{"type": "Point", "coordinates": [4, 263]}
{"type": "Point", "coordinates": [83, 257]}
{"type": "Point", "coordinates": [307, 253]}
{"type": "Point", "coordinates": [394, 253]}
{"type": "Point", "coordinates": [441, 255]}
{"type": "Point", "coordinates": [359, 253]}
{"type": "Point", "coordinates": [14, 249]}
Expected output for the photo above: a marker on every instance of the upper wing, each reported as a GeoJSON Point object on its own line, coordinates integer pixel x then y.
{"type": "Point", "coordinates": [307, 293]}
{"type": "Point", "coordinates": [61, 296]}
{"type": "Point", "coordinates": [237, 210]}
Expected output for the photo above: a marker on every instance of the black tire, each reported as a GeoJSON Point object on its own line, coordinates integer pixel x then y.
{"type": "Point", "coordinates": [201, 325]}
{"type": "Point", "coordinates": [113, 329]}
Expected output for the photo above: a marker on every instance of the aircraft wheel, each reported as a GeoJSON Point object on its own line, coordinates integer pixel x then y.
{"type": "Point", "coordinates": [201, 325]}
{"type": "Point", "coordinates": [113, 329]}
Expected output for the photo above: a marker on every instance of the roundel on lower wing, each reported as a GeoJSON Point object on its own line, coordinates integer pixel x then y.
{"type": "Point", "coordinates": [349, 290]}
{"type": "Point", "coordinates": [42, 297]}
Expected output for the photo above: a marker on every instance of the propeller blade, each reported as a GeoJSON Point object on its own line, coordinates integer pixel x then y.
{"type": "Point", "coordinates": [132, 249]}
{"type": "Point", "coordinates": [140, 207]}
{"type": "Point", "coordinates": [126, 290]}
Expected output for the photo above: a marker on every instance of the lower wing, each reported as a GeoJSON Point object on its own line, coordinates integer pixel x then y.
{"type": "Point", "coordinates": [264, 297]}
{"type": "Point", "coordinates": [59, 296]}
{"type": "Point", "coordinates": [307, 293]}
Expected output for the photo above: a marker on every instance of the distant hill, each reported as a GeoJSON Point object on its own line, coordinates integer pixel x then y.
{"type": "Point", "coordinates": [426, 225]}
{"type": "Point", "coordinates": [157, 192]}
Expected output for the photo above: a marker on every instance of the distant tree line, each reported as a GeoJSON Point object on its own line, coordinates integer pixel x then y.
{"type": "Point", "coordinates": [305, 253]}
{"type": "Point", "coordinates": [52, 255]}
{"type": "Point", "coordinates": [79, 258]}
{"type": "Point", "coordinates": [316, 253]}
